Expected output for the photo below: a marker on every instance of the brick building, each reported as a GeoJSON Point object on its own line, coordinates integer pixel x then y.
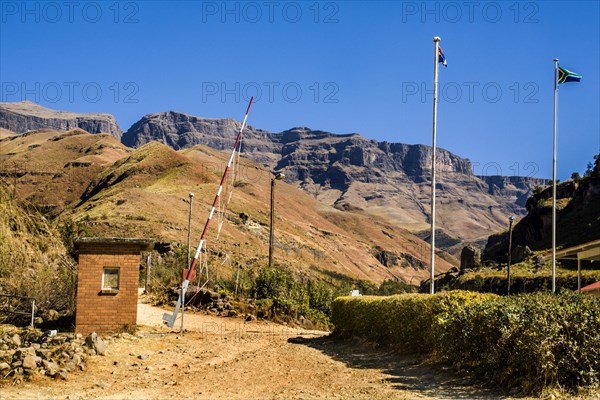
{"type": "Point", "coordinates": [108, 281]}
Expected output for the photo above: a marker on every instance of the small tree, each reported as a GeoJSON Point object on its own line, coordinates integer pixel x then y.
{"type": "Point", "coordinates": [589, 170]}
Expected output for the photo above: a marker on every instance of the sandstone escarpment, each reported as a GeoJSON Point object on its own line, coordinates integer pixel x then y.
{"type": "Point", "coordinates": [26, 116]}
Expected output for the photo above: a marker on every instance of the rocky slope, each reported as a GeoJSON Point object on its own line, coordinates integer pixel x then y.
{"type": "Point", "coordinates": [26, 116]}
{"type": "Point", "coordinates": [350, 172]}
{"type": "Point", "coordinates": [578, 218]}
{"type": "Point", "coordinates": [28, 354]}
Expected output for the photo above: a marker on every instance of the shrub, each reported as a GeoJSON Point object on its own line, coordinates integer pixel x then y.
{"type": "Point", "coordinates": [272, 283]}
{"type": "Point", "coordinates": [533, 341]}
{"type": "Point", "coordinates": [389, 287]}
{"type": "Point", "coordinates": [289, 297]}
{"type": "Point", "coordinates": [320, 296]}
{"type": "Point", "coordinates": [281, 293]}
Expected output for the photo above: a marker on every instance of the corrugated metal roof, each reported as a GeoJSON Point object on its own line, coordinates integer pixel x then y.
{"type": "Point", "coordinates": [586, 251]}
{"type": "Point", "coordinates": [592, 287]}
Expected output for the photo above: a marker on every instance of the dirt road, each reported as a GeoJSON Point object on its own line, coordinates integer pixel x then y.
{"type": "Point", "coordinates": [227, 358]}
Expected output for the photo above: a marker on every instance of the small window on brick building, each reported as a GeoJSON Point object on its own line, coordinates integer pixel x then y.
{"type": "Point", "coordinates": [110, 280]}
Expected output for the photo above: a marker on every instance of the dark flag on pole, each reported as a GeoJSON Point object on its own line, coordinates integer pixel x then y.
{"type": "Point", "coordinates": [441, 56]}
{"type": "Point", "coordinates": [564, 75]}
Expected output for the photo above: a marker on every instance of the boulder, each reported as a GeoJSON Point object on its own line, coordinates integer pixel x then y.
{"type": "Point", "coordinates": [50, 367]}
{"type": "Point", "coordinates": [16, 339]}
{"type": "Point", "coordinates": [96, 344]}
{"type": "Point", "coordinates": [63, 374]}
{"type": "Point", "coordinates": [57, 340]}
{"type": "Point", "coordinates": [29, 362]}
{"type": "Point", "coordinates": [210, 296]}
{"type": "Point", "coordinates": [539, 261]}
{"type": "Point", "coordinates": [100, 347]}
{"type": "Point", "coordinates": [70, 366]}
{"type": "Point", "coordinates": [470, 257]}
{"type": "Point", "coordinates": [52, 315]}
{"type": "Point", "coordinates": [77, 359]}
{"type": "Point", "coordinates": [28, 351]}
{"type": "Point", "coordinates": [520, 253]}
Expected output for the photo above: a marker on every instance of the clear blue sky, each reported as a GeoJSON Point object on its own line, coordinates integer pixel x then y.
{"type": "Point", "coordinates": [338, 66]}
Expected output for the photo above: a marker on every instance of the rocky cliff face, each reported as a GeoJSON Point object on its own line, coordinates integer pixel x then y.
{"type": "Point", "coordinates": [336, 161]}
{"type": "Point", "coordinates": [26, 116]}
{"type": "Point", "coordinates": [578, 218]}
{"type": "Point", "coordinates": [180, 130]}
{"type": "Point", "coordinates": [508, 186]}
{"type": "Point", "coordinates": [351, 172]}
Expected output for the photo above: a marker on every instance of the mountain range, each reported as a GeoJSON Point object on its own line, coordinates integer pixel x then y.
{"type": "Point", "coordinates": [389, 181]}
{"type": "Point", "coordinates": [350, 172]}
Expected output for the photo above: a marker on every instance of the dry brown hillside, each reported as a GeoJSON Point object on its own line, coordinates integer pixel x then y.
{"type": "Point", "coordinates": [116, 191]}
{"type": "Point", "coordinates": [4, 133]}
{"type": "Point", "coordinates": [51, 169]}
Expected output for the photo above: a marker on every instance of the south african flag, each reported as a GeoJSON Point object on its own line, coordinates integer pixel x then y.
{"type": "Point", "coordinates": [564, 75]}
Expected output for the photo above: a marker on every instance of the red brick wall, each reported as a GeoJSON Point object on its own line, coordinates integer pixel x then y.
{"type": "Point", "coordinates": [106, 313]}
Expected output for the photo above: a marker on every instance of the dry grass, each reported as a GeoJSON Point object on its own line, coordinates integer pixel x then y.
{"type": "Point", "coordinates": [51, 169]}
{"type": "Point", "coordinates": [31, 251]}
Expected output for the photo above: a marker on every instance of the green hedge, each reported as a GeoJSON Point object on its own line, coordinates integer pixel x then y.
{"type": "Point", "coordinates": [533, 341]}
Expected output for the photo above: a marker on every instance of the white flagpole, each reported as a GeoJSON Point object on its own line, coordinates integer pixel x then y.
{"type": "Point", "coordinates": [436, 40]}
{"type": "Point", "coordinates": [554, 178]}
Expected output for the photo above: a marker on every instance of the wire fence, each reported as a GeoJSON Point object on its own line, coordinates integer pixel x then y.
{"type": "Point", "coordinates": [17, 310]}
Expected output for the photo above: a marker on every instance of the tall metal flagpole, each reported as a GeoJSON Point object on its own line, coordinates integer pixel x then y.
{"type": "Point", "coordinates": [436, 40]}
{"type": "Point", "coordinates": [554, 179]}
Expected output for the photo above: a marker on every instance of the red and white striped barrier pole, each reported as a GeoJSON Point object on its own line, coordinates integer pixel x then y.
{"type": "Point", "coordinates": [170, 318]}
{"type": "Point", "coordinates": [223, 179]}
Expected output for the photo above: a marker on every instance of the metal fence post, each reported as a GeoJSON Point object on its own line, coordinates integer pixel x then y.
{"type": "Point", "coordinates": [32, 312]}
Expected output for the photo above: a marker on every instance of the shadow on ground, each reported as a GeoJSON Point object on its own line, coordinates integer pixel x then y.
{"type": "Point", "coordinates": [404, 372]}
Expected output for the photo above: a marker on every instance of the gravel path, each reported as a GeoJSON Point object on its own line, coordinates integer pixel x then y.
{"type": "Point", "coordinates": [227, 358]}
